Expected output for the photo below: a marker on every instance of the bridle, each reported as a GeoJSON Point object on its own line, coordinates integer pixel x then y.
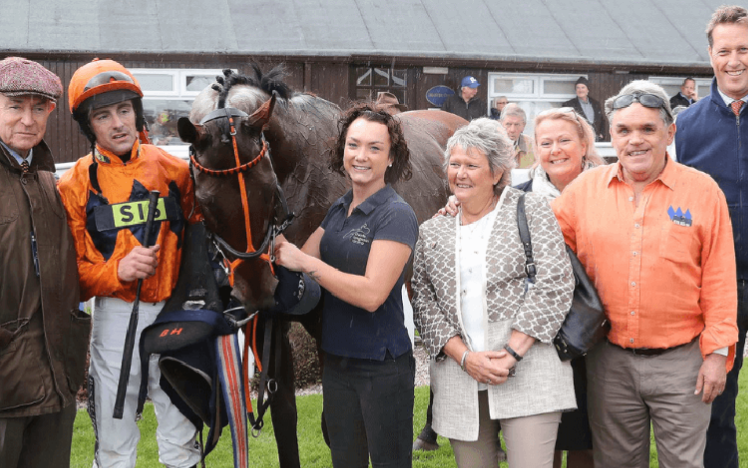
{"type": "Point", "coordinates": [275, 228]}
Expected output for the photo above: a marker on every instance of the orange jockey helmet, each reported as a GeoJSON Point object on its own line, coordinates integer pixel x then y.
{"type": "Point", "coordinates": [102, 83]}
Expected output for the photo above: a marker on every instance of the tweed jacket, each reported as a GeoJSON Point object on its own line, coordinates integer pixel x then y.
{"type": "Point", "coordinates": [542, 383]}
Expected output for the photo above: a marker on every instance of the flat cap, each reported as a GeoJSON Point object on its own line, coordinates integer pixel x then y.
{"type": "Point", "coordinates": [19, 76]}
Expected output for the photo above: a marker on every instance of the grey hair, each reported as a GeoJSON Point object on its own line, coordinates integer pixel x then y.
{"type": "Point", "coordinates": [642, 87]}
{"type": "Point", "coordinates": [513, 109]}
{"type": "Point", "coordinates": [487, 137]}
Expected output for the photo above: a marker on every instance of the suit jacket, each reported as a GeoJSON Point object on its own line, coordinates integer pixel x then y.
{"type": "Point", "coordinates": [524, 153]}
{"type": "Point", "coordinates": [543, 383]}
{"type": "Point", "coordinates": [679, 100]}
{"type": "Point", "coordinates": [599, 124]}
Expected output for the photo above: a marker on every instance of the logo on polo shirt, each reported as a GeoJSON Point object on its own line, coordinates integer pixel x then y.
{"type": "Point", "coordinates": [359, 236]}
{"type": "Point", "coordinates": [679, 217]}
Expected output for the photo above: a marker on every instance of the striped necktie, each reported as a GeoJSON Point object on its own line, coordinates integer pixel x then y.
{"type": "Point", "coordinates": [25, 166]}
{"type": "Point", "coordinates": [736, 105]}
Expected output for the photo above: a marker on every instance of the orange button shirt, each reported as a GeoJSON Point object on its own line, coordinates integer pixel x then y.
{"type": "Point", "coordinates": [665, 269]}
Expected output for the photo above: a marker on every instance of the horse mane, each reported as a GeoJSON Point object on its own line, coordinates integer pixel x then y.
{"type": "Point", "coordinates": [246, 92]}
{"type": "Point", "coordinates": [267, 82]}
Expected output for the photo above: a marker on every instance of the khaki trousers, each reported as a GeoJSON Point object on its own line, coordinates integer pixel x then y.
{"type": "Point", "coordinates": [626, 392]}
{"type": "Point", "coordinates": [530, 441]}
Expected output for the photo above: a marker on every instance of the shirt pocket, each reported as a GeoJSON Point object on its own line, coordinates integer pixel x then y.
{"type": "Point", "coordinates": [680, 244]}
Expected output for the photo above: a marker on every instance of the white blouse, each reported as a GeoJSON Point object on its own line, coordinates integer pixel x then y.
{"type": "Point", "coordinates": [473, 242]}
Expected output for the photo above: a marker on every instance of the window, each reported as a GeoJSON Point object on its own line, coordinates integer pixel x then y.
{"type": "Point", "coordinates": [533, 93]}
{"type": "Point", "coordinates": [672, 85]}
{"type": "Point", "coordinates": [168, 95]}
{"type": "Point", "coordinates": [371, 80]}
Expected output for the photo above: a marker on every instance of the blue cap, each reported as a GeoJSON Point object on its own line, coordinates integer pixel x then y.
{"type": "Point", "coordinates": [296, 293]}
{"type": "Point", "coordinates": [470, 82]}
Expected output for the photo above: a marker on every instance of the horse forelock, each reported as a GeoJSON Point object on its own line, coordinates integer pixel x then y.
{"type": "Point", "coordinates": [246, 98]}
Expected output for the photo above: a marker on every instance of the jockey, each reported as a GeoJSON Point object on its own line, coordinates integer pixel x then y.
{"type": "Point", "coordinates": [104, 194]}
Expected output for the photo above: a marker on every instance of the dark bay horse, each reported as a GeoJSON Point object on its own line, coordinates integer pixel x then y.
{"type": "Point", "coordinates": [299, 131]}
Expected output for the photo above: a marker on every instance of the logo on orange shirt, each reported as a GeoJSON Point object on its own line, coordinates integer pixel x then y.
{"type": "Point", "coordinates": [679, 217]}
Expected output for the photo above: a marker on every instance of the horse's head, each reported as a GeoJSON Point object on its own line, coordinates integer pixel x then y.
{"type": "Point", "coordinates": [235, 185]}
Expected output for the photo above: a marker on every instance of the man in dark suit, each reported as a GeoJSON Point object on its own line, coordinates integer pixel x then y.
{"type": "Point", "coordinates": [686, 96]}
{"type": "Point", "coordinates": [588, 107]}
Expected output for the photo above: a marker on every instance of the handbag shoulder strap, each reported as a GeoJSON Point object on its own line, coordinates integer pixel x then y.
{"type": "Point", "coordinates": [524, 235]}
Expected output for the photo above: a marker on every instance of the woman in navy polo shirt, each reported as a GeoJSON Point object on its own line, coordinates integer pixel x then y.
{"type": "Point", "coordinates": [358, 255]}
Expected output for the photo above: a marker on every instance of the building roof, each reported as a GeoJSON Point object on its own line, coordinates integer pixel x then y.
{"type": "Point", "coordinates": [643, 32]}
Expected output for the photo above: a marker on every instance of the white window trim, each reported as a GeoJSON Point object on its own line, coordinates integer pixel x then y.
{"type": "Point", "coordinates": [179, 77]}
{"type": "Point", "coordinates": [539, 80]}
{"type": "Point", "coordinates": [678, 81]}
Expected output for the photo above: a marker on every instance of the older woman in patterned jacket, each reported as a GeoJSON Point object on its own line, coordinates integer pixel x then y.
{"type": "Point", "coordinates": [489, 334]}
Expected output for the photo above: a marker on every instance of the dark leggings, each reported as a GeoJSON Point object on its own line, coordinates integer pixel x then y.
{"type": "Point", "coordinates": [368, 407]}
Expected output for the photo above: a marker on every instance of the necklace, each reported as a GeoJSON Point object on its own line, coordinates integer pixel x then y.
{"type": "Point", "coordinates": [483, 213]}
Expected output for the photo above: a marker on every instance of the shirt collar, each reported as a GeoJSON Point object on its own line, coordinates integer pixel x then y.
{"type": "Point", "coordinates": [728, 100]}
{"type": "Point", "coordinates": [107, 157]}
{"type": "Point", "coordinates": [368, 205]}
{"type": "Point", "coordinates": [17, 156]}
{"type": "Point", "coordinates": [667, 176]}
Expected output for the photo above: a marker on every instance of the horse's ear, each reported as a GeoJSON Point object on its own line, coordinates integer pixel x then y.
{"type": "Point", "coordinates": [261, 116]}
{"type": "Point", "coordinates": [188, 132]}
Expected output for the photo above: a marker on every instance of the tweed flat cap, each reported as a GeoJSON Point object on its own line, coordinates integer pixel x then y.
{"type": "Point", "coordinates": [19, 76]}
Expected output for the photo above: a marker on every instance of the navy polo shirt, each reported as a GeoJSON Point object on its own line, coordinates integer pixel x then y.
{"type": "Point", "coordinates": [347, 330]}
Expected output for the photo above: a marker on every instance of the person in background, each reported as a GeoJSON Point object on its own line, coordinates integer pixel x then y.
{"type": "Point", "coordinates": [587, 107]}
{"type": "Point", "coordinates": [655, 238]}
{"type": "Point", "coordinates": [43, 336]}
{"type": "Point", "coordinates": [686, 96]}
{"type": "Point", "coordinates": [499, 105]}
{"type": "Point", "coordinates": [514, 120]}
{"type": "Point", "coordinates": [467, 104]}
{"type": "Point", "coordinates": [490, 341]}
{"type": "Point", "coordinates": [359, 256]}
{"type": "Point", "coordinates": [711, 138]}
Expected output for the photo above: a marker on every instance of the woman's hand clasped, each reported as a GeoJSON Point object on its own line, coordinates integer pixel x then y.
{"type": "Point", "coordinates": [489, 367]}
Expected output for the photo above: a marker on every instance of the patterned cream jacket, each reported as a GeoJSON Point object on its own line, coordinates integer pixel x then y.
{"type": "Point", "coordinates": [542, 383]}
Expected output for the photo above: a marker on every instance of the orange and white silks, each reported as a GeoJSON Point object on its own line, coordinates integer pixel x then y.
{"type": "Point", "coordinates": [108, 225]}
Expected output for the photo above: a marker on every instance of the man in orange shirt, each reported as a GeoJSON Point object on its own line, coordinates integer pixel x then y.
{"type": "Point", "coordinates": [104, 194]}
{"type": "Point", "coordinates": [656, 239]}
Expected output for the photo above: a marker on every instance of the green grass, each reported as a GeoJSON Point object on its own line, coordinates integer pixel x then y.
{"type": "Point", "coordinates": [314, 453]}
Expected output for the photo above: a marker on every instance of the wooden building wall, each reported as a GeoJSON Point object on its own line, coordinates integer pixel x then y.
{"type": "Point", "coordinates": [330, 78]}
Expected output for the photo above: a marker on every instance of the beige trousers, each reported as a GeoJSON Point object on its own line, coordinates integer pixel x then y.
{"type": "Point", "coordinates": [626, 392]}
{"type": "Point", "coordinates": [530, 441]}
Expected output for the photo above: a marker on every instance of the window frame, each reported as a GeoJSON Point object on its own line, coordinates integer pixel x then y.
{"type": "Point", "coordinates": [178, 92]}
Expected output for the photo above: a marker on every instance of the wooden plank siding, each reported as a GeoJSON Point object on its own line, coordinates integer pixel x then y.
{"type": "Point", "coordinates": [331, 78]}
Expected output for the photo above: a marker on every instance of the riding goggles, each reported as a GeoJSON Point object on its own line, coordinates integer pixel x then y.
{"type": "Point", "coordinates": [647, 100]}
{"type": "Point", "coordinates": [106, 78]}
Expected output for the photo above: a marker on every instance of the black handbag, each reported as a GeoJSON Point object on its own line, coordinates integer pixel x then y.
{"type": "Point", "coordinates": [586, 324]}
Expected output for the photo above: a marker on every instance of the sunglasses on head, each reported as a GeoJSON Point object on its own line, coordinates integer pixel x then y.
{"type": "Point", "coordinates": [570, 110]}
{"type": "Point", "coordinates": [647, 100]}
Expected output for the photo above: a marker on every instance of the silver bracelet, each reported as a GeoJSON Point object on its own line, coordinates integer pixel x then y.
{"type": "Point", "coordinates": [462, 361]}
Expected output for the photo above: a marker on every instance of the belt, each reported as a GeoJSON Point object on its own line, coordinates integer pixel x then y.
{"type": "Point", "coordinates": [650, 351]}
